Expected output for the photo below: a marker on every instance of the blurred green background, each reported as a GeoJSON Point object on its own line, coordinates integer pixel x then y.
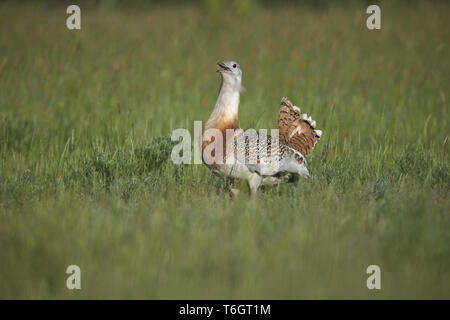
{"type": "Point", "coordinates": [86, 176]}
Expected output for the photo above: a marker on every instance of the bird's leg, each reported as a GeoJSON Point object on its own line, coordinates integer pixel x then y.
{"type": "Point", "coordinates": [234, 190]}
{"type": "Point", "coordinates": [254, 181]}
{"type": "Point", "coordinates": [234, 193]}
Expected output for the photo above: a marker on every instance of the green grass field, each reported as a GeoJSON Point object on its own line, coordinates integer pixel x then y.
{"type": "Point", "coordinates": [86, 176]}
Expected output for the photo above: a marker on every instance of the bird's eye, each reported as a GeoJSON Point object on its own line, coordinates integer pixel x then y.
{"type": "Point", "coordinates": [234, 65]}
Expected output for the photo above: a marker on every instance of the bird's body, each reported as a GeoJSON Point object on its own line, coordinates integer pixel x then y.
{"type": "Point", "coordinates": [259, 158]}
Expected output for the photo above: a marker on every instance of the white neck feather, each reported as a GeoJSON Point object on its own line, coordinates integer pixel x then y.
{"type": "Point", "coordinates": [227, 104]}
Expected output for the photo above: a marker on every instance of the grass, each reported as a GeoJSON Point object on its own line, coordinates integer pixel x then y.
{"type": "Point", "coordinates": [86, 176]}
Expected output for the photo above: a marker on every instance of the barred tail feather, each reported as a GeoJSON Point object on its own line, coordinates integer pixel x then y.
{"type": "Point", "coordinates": [296, 129]}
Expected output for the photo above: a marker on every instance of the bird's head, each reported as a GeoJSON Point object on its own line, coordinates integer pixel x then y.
{"type": "Point", "coordinates": [231, 72]}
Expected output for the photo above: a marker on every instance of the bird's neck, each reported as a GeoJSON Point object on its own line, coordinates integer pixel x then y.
{"type": "Point", "coordinates": [225, 113]}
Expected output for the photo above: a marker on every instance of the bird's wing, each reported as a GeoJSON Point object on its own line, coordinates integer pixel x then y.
{"type": "Point", "coordinates": [296, 129]}
{"type": "Point", "coordinates": [265, 155]}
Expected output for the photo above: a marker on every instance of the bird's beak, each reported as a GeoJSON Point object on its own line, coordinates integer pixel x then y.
{"type": "Point", "coordinates": [223, 66]}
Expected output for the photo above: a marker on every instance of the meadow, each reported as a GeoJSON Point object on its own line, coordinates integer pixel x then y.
{"type": "Point", "coordinates": [86, 176]}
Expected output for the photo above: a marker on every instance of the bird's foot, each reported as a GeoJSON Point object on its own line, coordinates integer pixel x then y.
{"type": "Point", "coordinates": [254, 181]}
{"type": "Point", "coordinates": [234, 193]}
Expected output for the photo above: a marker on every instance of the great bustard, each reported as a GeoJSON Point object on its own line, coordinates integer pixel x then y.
{"type": "Point", "coordinates": [239, 155]}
